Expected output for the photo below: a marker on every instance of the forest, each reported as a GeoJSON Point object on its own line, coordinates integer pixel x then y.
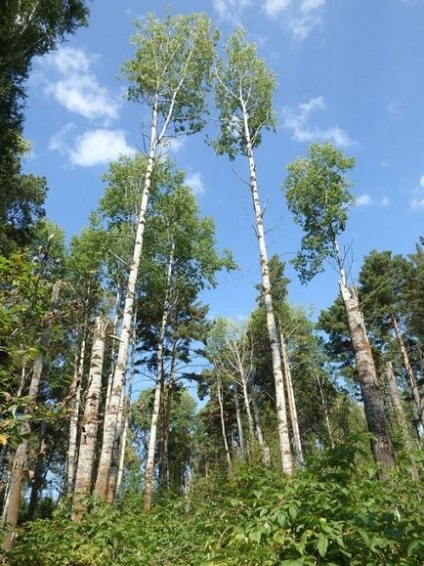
{"type": "Point", "coordinates": [280, 440]}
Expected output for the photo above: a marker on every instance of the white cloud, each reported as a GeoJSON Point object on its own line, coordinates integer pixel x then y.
{"type": "Point", "coordinates": [300, 17]}
{"type": "Point", "coordinates": [195, 181]}
{"type": "Point", "coordinates": [231, 9]}
{"type": "Point", "coordinates": [76, 87]}
{"type": "Point", "coordinates": [174, 144]}
{"type": "Point", "coordinates": [363, 200]}
{"type": "Point", "coordinates": [417, 203]}
{"type": "Point", "coordinates": [93, 147]}
{"type": "Point", "coordinates": [305, 17]}
{"type": "Point", "coordinates": [299, 122]}
{"type": "Point", "coordinates": [274, 7]}
{"type": "Point", "coordinates": [367, 200]}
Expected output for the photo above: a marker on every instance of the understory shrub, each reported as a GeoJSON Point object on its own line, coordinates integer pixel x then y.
{"type": "Point", "coordinates": [332, 513]}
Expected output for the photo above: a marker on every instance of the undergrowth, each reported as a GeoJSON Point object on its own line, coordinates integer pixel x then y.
{"type": "Point", "coordinates": [332, 513]}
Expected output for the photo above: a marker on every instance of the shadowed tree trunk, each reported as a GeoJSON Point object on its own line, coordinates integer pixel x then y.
{"type": "Point", "coordinates": [223, 428]}
{"type": "Point", "coordinates": [401, 419]}
{"type": "Point", "coordinates": [419, 405]}
{"type": "Point", "coordinates": [372, 397]}
{"type": "Point", "coordinates": [21, 455]}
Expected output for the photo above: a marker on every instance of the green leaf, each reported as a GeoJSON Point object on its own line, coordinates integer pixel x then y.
{"type": "Point", "coordinates": [322, 545]}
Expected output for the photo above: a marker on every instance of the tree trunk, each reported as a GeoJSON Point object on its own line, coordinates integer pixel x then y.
{"type": "Point", "coordinates": [114, 466]}
{"type": "Point", "coordinates": [266, 456]}
{"type": "Point", "coordinates": [90, 420]}
{"type": "Point", "coordinates": [297, 443]}
{"type": "Point", "coordinates": [159, 390]}
{"type": "Point", "coordinates": [21, 455]}
{"type": "Point", "coordinates": [326, 415]}
{"type": "Point", "coordinates": [283, 433]}
{"type": "Point", "coordinates": [150, 461]}
{"type": "Point", "coordinates": [127, 414]}
{"type": "Point", "coordinates": [113, 408]}
{"type": "Point", "coordinates": [381, 444]}
{"type": "Point", "coordinates": [375, 415]}
{"type": "Point", "coordinates": [37, 474]}
{"type": "Point", "coordinates": [410, 372]}
{"type": "Point", "coordinates": [239, 423]}
{"type": "Point", "coordinates": [223, 428]}
{"type": "Point", "coordinates": [247, 403]}
{"type": "Point", "coordinates": [400, 416]}
{"type": "Point", "coordinates": [75, 396]}
{"type": "Point", "coordinates": [166, 417]}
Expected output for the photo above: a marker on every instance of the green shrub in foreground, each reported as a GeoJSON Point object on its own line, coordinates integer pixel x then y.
{"type": "Point", "coordinates": [332, 513]}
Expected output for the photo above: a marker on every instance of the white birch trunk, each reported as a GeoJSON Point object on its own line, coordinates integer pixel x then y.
{"type": "Point", "coordinates": [239, 423]}
{"type": "Point", "coordinates": [150, 461]}
{"type": "Point", "coordinates": [90, 421]}
{"type": "Point", "coordinates": [112, 411]}
{"type": "Point", "coordinates": [159, 390]}
{"type": "Point", "coordinates": [326, 415]}
{"type": "Point", "coordinates": [266, 456]}
{"type": "Point", "coordinates": [75, 395]}
{"type": "Point", "coordinates": [372, 397]}
{"type": "Point", "coordinates": [247, 403]}
{"type": "Point", "coordinates": [223, 428]}
{"type": "Point", "coordinates": [283, 433]}
{"type": "Point", "coordinates": [127, 415]}
{"type": "Point", "coordinates": [297, 442]}
{"type": "Point", "coordinates": [114, 467]}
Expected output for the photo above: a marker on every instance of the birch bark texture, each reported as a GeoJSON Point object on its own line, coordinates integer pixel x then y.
{"type": "Point", "coordinates": [318, 196]}
{"type": "Point", "coordinates": [244, 88]}
{"type": "Point", "coordinates": [170, 74]}
{"type": "Point", "coordinates": [90, 421]}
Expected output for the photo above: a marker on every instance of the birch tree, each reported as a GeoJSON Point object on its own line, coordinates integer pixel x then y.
{"type": "Point", "coordinates": [244, 88]}
{"type": "Point", "coordinates": [317, 192]}
{"type": "Point", "coordinates": [84, 471]}
{"type": "Point", "coordinates": [170, 75]}
{"type": "Point", "coordinates": [185, 261]}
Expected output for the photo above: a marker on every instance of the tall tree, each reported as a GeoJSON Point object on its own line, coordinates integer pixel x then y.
{"type": "Point", "coordinates": [27, 29]}
{"type": "Point", "coordinates": [384, 279]}
{"type": "Point", "coordinates": [170, 74]}
{"type": "Point", "coordinates": [244, 88]}
{"type": "Point", "coordinates": [318, 196]}
{"type": "Point", "coordinates": [184, 261]}
{"type": "Point", "coordinates": [89, 425]}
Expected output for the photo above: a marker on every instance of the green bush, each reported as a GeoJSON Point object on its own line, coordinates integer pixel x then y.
{"type": "Point", "coordinates": [333, 513]}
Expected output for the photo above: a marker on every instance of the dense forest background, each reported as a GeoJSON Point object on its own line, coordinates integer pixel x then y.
{"type": "Point", "coordinates": [284, 439]}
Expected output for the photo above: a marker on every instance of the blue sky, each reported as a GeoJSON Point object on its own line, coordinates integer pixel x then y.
{"type": "Point", "coordinates": [350, 71]}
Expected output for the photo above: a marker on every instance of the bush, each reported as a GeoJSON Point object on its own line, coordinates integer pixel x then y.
{"type": "Point", "coordinates": [333, 513]}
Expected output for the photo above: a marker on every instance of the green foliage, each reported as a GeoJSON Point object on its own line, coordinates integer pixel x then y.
{"type": "Point", "coordinates": [414, 293]}
{"type": "Point", "coordinates": [317, 192]}
{"type": "Point", "coordinates": [332, 513]}
{"type": "Point", "coordinates": [244, 89]}
{"type": "Point", "coordinates": [27, 29]}
{"type": "Point", "coordinates": [171, 67]}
